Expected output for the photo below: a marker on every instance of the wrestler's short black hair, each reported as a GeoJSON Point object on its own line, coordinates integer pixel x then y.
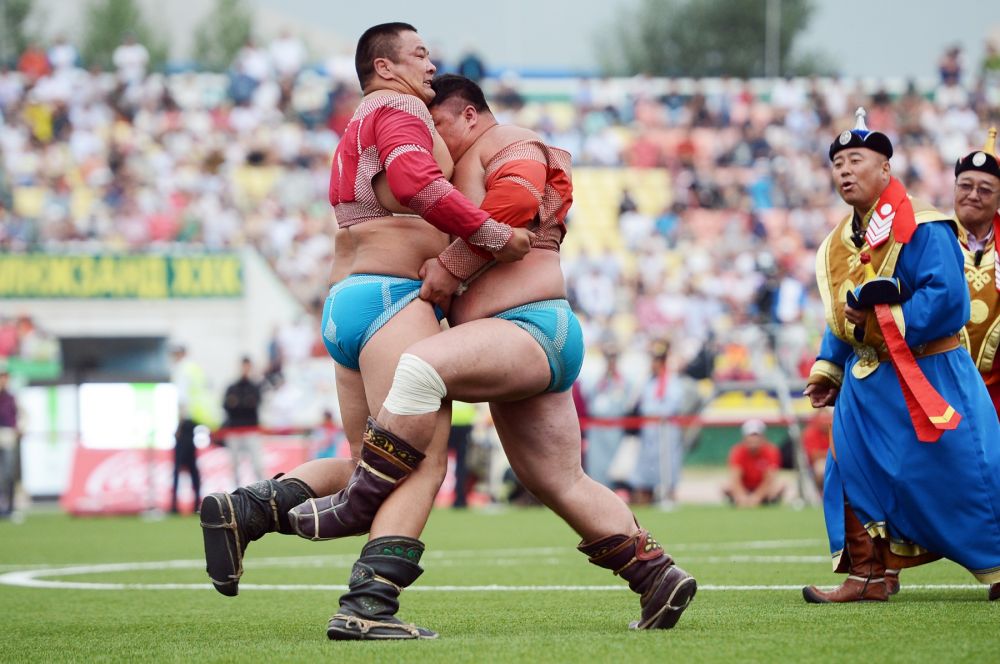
{"type": "Point", "coordinates": [447, 86]}
{"type": "Point", "coordinates": [378, 41]}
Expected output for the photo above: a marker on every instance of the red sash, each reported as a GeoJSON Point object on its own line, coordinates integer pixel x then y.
{"type": "Point", "coordinates": [930, 414]}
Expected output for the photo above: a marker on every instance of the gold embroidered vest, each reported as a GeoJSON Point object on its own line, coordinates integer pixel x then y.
{"type": "Point", "coordinates": [839, 270]}
{"type": "Point", "coordinates": [981, 335]}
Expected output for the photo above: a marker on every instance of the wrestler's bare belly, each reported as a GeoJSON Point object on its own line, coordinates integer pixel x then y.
{"type": "Point", "coordinates": [396, 246]}
{"type": "Point", "coordinates": [537, 276]}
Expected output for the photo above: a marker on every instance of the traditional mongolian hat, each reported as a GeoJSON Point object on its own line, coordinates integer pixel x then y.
{"type": "Point", "coordinates": [984, 160]}
{"type": "Point", "coordinates": [861, 137]}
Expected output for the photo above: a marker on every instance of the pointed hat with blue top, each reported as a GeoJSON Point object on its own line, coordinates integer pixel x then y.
{"type": "Point", "coordinates": [861, 137]}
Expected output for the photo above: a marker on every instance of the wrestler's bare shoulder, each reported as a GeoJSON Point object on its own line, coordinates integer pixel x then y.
{"type": "Point", "coordinates": [512, 133]}
{"type": "Point", "coordinates": [505, 135]}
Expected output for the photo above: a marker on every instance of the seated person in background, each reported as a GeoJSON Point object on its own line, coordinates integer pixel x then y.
{"type": "Point", "coordinates": [754, 463]}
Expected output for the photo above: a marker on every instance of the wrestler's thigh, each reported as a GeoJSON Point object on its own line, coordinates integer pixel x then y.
{"type": "Point", "coordinates": [381, 354]}
{"type": "Point", "coordinates": [353, 406]}
{"type": "Point", "coordinates": [487, 360]}
{"type": "Point", "coordinates": [540, 436]}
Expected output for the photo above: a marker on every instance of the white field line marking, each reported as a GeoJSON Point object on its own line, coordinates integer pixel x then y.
{"type": "Point", "coordinates": [35, 578]}
{"type": "Point", "coordinates": [29, 579]}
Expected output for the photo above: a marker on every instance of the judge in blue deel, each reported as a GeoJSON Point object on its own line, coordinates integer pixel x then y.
{"type": "Point", "coordinates": [913, 472]}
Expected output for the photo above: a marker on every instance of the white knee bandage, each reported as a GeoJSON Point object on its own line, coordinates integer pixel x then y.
{"type": "Point", "coordinates": [416, 389]}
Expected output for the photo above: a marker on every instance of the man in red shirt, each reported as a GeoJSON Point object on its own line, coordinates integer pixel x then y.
{"type": "Point", "coordinates": [753, 464]}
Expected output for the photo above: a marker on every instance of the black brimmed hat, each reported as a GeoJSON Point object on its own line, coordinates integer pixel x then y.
{"type": "Point", "coordinates": [860, 137]}
{"type": "Point", "coordinates": [984, 160]}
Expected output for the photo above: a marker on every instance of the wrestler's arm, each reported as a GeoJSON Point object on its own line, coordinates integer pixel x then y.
{"type": "Point", "coordinates": [381, 185]}
{"type": "Point", "coordinates": [933, 264]}
{"type": "Point", "coordinates": [417, 182]}
{"type": "Point", "coordinates": [513, 197]}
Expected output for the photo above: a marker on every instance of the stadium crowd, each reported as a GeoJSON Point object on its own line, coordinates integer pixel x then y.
{"type": "Point", "coordinates": [134, 161]}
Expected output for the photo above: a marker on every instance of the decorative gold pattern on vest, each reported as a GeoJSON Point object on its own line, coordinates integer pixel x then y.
{"type": "Point", "coordinates": [981, 335]}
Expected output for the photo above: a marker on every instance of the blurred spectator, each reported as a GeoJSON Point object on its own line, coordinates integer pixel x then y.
{"type": "Point", "coordinates": [63, 55]}
{"type": "Point", "coordinates": [595, 293]}
{"type": "Point", "coordinates": [950, 66]}
{"type": "Point", "coordinates": [253, 61]}
{"type": "Point", "coordinates": [8, 338]}
{"type": "Point", "coordinates": [463, 417]}
{"type": "Point", "coordinates": [288, 54]}
{"type": "Point", "coordinates": [10, 439]}
{"type": "Point", "coordinates": [33, 63]}
{"type": "Point", "coordinates": [991, 62]}
{"type": "Point", "coordinates": [242, 405]}
{"type": "Point", "coordinates": [610, 396]}
{"type": "Point", "coordinates": [189, 381]}
{"type": "Point", "coordinates": [636, 229]}
{"type": "Point", "coordinates": [816, 436]}
{"type": "Point", "coordinates": [506, 96]}
{"type": "Point", "coordinates": [661, 449]}
{"type": "Point", "coordinates": [471, 66]}
{"type": "Point", "coordinates": [130, 59]}
{"type": "Point", "coordinates": [753, 463]}
{"type": "Point", "coordinates": [327, 437]}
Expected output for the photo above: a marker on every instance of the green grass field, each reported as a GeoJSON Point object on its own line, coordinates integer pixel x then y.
{"type": "Point", "coordinates": [749, 564]}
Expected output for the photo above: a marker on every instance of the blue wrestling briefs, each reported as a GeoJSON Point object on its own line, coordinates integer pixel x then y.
{"type": "Point", "coordinates": [554, 326]}
{"type": "Point", "coordinates": [357, 307]}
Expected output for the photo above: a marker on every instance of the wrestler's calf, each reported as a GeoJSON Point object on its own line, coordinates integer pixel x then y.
{"type": "Point", "coordinates": [386, 460]}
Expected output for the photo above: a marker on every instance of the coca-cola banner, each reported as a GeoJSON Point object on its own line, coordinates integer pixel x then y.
{"type": "Point", "coordinates": [136, 480]}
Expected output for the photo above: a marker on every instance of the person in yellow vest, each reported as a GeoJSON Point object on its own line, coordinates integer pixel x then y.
{"type": "Point", "coordinates": [194, 408]}
{"type": "Point", "coordinates": [977, 200]}
{"type": "Point", "coordinates": [911, 415]}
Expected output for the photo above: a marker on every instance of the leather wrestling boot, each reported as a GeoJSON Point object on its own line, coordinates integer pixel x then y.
{"type": "Point", "coordinates": [386, 460]}
{"type": "Point", "coordinates": [892, 581]}
{"type": "Point", "coordinates": [664, 589]}
{"type": "Point", "coordinates": [994, 592]}
{"type": "Point", "coordinates": [230, 521]}
{"type": "Point", "coordinates": [866, 575]}
{"type": "Point", "coordinates": [368, 609]}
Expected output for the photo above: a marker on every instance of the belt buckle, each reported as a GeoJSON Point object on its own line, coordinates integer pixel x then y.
{"type": "Point", "coordinates": [867, 361]}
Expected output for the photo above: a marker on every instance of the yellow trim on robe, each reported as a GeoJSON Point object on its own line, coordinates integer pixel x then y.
{"type": "Point", "coordinates": [828, 370]}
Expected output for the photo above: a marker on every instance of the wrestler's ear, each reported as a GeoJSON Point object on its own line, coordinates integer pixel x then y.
{"type": "Point", "coordinates": [382, 68]}
{"type": "Point", "coordinates": [470, 114]}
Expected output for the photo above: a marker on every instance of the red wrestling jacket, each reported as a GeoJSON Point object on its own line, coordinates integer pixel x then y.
{"type": "Point", "coordinates": [526, 181]}
{"type": "Point", "coordinates": [394, 133]}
